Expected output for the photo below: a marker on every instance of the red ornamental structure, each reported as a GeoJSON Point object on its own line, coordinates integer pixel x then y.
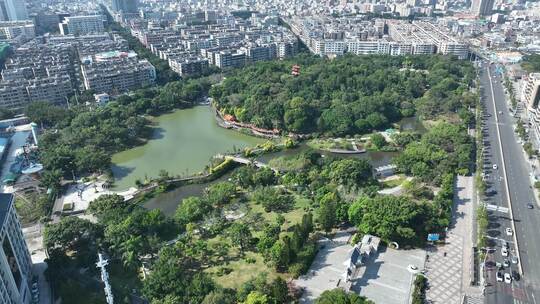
{"type": "Point", "coordinates": [295, 70]}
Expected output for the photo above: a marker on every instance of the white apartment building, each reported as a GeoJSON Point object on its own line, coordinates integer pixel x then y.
{"type": "Point", "coordinates": [16, 93]}
{"type": "Point", "coordinates": [52, 89]}
{"type": "Point", "coordinates": [530, 95]}
{"type": "Point", "coordinates": [82, 25]}
{"type": "Point", "coordinates": [15, 262]}
{"type": "Point", "coordinates": [13, 95]}
{"type": "Point", "coordinates": [400, 48]}
{"type": "Point", "coordinates": [368, 47]}
{"type": "Point", "coordinates": [404, 38]}
{"type": "Point", "coordinates": [14, 29]}
{"type": "Point", "coordinates": [334, 47]}
{"type": "Point", "coordinates": [425, 38]}
{"type": "Point", "coordinates": [530, 92]}
{"type": "Point", "coordinates": [188, 66]}
{"type": "Point", "coordinates": [460, 50]}
{"type": "Point", "coordinates": [228, 59]}
{"type": "Point", "coordinates": [115, 77]}
{"type": "Point", "coordinates": [287, 49]}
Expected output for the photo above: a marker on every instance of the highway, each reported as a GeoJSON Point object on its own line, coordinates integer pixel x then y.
{"type": "Point", "coordinates": [519, 192]}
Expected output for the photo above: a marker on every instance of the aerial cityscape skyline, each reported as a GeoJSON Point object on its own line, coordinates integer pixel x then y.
{"type": "Point", "coordinates": [283, 151]}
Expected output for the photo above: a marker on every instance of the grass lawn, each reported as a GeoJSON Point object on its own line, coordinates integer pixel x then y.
{"type": "Point", "coordinates": [292, 217]}
{"type": "Point", "coordinates": [238, 269]}
{"type": "Point", "coordinates": [391, 183]}
{"type": "Point", "coordinates": [449, 118]}
{"type": "Point", "coordinates": [241, 271]}
{"type": "Point", "coordinates": [27, 209]}
{"type": "Point", "coordinates": [331, 143]}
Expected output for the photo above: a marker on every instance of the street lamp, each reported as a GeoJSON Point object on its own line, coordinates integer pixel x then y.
{"type": "Point", "coordinates": [73, 170]}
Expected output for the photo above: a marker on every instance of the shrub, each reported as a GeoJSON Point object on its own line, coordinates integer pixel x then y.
{"type": "Point", "coordinates": [223, 271]}
{"type": "Point", "coordinates": [296, 270]}
{"type": "Point", "coordinates": [419, 292]}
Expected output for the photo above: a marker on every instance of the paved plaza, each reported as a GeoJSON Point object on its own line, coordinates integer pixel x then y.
{"type": "Point", "coordinates": [81, 194]}
{"type": "Point", "coordinates": [385, 278]}
{"type": "Point", "coordinates": [449, 266]}
{"type": "Point", "coordinates": [444, 272]}
{"type": "Point", "coordinates": [327, 269]}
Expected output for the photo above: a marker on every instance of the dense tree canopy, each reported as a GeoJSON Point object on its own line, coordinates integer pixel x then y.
{"type": "Point", "coordinates": [346, 95]}
{"type": "Point", "coordinates": [71, 233]}
{"type": "Point", "coordinates": [192, 209]}
{"type": "Point", "coordinates": [6, 113]}
{"type": "Point", "coordinates": [44, 113]}
{"type": "Point", "coordinates": [339, 296]}
{"type": "Point", "coordinates": [350, 172]}
{"type": "Point", "coordinates": [175, 274]}
{"type": "Point", "coordinates": [531, 63]}
{"type": "Point", "coordinates": [105, 204]}
{"type": "Point", "coordinates": [445, 148]}
{"type": "Point", "coordinates": [220, 194]}
{"type": "Point", "coordinates": [273, 199]}
{"type": "Point", "coordinates": [393, 218]}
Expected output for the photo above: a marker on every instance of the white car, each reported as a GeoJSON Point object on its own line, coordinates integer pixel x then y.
{"type": "Point", "coordinates": [509, 231]}
{"type": "Point", "coordinates": [499, 276]}
{"type": "Point", "coordinates": [507, 278]}
{"type": "Point", "coordinates": [495, 166]}
{"type": "Point", "coordinates": [412, 268]}
{"type": "Point", "coordinates": [504, 252]}
{"type": "Point", "coordinates": [514, 260]}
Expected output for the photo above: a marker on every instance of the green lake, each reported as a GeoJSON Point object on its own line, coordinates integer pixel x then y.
{"type": "Point", "coordinates": [183, 142]}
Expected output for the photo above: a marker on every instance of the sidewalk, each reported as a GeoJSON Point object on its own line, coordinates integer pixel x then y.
{"type": "Point", "coordinates": [34, 240]}
{"type": "Point", "coordinates": [450, 266]}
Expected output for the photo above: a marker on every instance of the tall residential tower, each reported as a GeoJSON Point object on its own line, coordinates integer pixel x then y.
{"type": "Point", "coordinates": [126, 6]}
{"type": "Point", "coordinates": [13, 9]}
{"type": "Point", "coordinates": [482, 7]}
{"type": "Point", "coordinates": [15, 262]}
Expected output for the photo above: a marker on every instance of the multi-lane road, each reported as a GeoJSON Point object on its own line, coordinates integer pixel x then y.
{"type": "Point", "coordinates": [509, 186]}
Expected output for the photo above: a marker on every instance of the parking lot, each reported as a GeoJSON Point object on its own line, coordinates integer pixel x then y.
{"type": "Point", "coordinates": [384, 278]}
{"type": "Point", "coordinates": [327, 268]}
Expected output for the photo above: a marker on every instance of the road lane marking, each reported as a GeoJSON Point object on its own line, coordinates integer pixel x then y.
{"type": "Point", "coordinates": [507, 188]}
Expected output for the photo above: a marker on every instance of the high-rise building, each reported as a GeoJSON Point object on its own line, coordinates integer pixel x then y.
{"type": "Point", "coordinates": [531, 90]}
{"type": "Point", "coordinates": [15, 262]}
{"type": "Point", "coordinates": [14, 9]}
{"type": "Point", "coordinates": [3, 11]}
{"type": "Point", "coordinates": [530, 95]}
{"type": "Point", "coordinates": [125, 6]}
{"type": "Point", "coordinates": [118, 75]}
{"type": "Point", "coordinates": [82, 25]}
{"type": "Point", "coordinates": [482, 7]}
{"type": "Point", "coordinates": [14, 29]}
